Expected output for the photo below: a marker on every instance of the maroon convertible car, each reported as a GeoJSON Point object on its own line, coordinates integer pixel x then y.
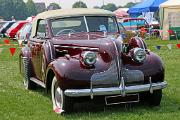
{"type": "Point", "coordinates": [80, 53]}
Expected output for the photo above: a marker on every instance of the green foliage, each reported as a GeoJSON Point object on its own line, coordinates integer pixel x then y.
{"type": "Point", "coordinates": [109, 6]}
{"type": "Point", "coordinates": [53, 6]}
{"type": "Point", "coordinates": [120, 6]}
{"type": "Point", "coordinates": [96, 7]}
{"type": "Point", "coordinates": [79, 4]}
{"type": "Point", "coordinates": [6, 9]}
{"type": "Point", "coordinates": [20, 10]}
{"type": "Point", "coordinates": [16, 8]}
{"type": "Point", "coordinates": [31, 8]}
{"type": "Point", "coordinates": [130, 4]}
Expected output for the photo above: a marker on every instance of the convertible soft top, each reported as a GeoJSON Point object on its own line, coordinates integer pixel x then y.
{"type": "Point", "coordinates": [73, 12]}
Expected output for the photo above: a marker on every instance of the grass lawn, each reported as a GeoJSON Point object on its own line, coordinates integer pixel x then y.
{"type": "Point", "coordinates": [16, 103]}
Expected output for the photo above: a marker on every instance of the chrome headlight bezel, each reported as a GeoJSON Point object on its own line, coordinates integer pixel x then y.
{"type": "Point", "coordinates": [139, 55]}
{"type": "Point", "coordinates": [89, 58]}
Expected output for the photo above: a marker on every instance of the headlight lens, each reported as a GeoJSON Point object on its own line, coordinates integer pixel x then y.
{"type": "Point", "coordinates": [89, 58]}
{"type": "Point", "coordinates": [139, 55]}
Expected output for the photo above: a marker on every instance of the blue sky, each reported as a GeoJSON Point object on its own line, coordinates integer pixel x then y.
{"type": "Point", "coordinates": [90, 3]}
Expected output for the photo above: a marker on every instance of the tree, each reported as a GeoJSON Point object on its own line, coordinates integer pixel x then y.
{"type": "Point", "coordinates": [31, 8]}
{"type": "Point", "coordinates": [130, 4]}
{"type": "Point", "coordinates": [96, 7]}
{"type": "Point", "coordinates": [53, 6]}
{"type": "Point", "coordinates": [20, 9]}
{"type": "Point", "coordinates": [79, 4]}
{"type": "Point", "coordinates": [16, 8]}
{"type": "Point", "coordinates": [6, 9]}
{"type": "Point", "coordinates": [40, 7]}
{"type": "Point", "coordinates": [120, 6]}
{"type": "Point", "coordinates": [109, 6]}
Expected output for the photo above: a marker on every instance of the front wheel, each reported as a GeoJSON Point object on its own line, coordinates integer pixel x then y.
{"type": "Point", "coordinates": [61, 103]}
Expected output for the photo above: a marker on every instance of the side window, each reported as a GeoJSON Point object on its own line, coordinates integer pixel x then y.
{"type": "Point", "coordinates": [121, 27]}
{"type": "Point", "coordinates": [41, 29]}
{"type": "Point", "coordinates": [111, 25]}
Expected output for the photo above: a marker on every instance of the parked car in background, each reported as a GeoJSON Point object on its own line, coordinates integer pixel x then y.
{"type": "Point", "coordinates": [24, 33]}
{"type": "Point", "coordinates": [2, 23]}
{"type": "Point", "coordinates": [80, 54]}
{"type": "Point", "coordinates": [5, 27]}
{"type": "Point", "coordinates": [137, 25]}
{"type": "Point", "coordinates": [11, 32]}
{"type": "Point", "coordinates": [141, 27]}
{"type": "Point", "coordinates": [133, 24]}
{"type": "Point", "coordinates": [155, 24]}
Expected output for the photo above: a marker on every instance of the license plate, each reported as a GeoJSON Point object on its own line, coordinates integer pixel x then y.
{"type": "Point", "coordinates": [119, 99]}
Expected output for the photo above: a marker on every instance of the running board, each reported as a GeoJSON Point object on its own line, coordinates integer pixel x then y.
{"type": "Point", "coordinates": [38, 82]}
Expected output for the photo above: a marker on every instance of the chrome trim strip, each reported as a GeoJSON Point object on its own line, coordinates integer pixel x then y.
{"type": "Point", "coordinates": [91, 90]}
{"type": "Point", "coordinates": [122, 85]}
{"type": "Point", "coordinates": [141, 43]}
{"type": "Point", "coordinates": [50, 48]}
{"type": "Point", "coordinates": [38, 82]}
{"type": "Point", "coordinates": [118, 61]}
{"type": "Point", "coordinates": [150, 89]}
{"type": "Point", "coordinates": [76, 47]}
{"type": "Point", "coordinates": [114, 90]}
{"type": "Point", "coordinates": [24, 57]}
{"type": "Point", "coordinates": [87, 28]}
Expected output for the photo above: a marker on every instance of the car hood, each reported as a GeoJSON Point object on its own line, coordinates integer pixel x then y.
{"type": "Point", "coordinates": [92, 41]}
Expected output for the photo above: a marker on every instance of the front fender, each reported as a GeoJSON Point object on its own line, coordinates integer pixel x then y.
{"type": "Point", "coordinates": [152, 67]}
{"type": "Point", "coordinates": [69, 73]}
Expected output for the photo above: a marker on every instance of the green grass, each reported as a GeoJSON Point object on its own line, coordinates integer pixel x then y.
{"type": "Point", "coordinates": [16, 103]}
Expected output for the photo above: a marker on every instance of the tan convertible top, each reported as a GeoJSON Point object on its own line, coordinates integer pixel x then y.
{"type": "Point", "coordinates": [72, 12]}
{"type": "Point", "coordinates": [68, 13]}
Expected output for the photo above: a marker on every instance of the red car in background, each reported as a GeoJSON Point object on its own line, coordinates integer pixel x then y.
{"type": "Point", "coordinates": [15, 28]}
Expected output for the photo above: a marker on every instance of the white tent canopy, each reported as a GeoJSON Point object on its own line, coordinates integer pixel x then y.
{"type": "Point", "coordinates": [170, 17]}
{"type": "Point", "coordinates": [170, 3]}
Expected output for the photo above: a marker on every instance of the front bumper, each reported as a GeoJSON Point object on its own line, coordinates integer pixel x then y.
{"type": "Point", "coordinates": [121, 90]}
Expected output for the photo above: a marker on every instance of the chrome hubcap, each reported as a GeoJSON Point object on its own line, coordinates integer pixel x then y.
{"type": "Point", "coordinates": [58, 97]}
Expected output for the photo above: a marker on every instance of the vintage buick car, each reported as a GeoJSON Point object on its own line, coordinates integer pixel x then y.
{"type": "Point", "coordinates": [80, 54]}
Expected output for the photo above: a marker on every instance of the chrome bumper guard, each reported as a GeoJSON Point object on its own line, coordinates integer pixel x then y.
{"type": "Point", "coordinates": [121, 90]}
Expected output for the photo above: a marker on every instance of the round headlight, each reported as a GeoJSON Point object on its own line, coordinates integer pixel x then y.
{"type": "Point", "coordinates": [139, 55]}
{"type": "Point", "coordinates": [89, 58]}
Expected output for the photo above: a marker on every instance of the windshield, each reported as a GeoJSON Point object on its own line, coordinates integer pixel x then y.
{"type": "Point", "coordinates": [84, 24]}
{"type": "Point", "coordinates": [102, 24]}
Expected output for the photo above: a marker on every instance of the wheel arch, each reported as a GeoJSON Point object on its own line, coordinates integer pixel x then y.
{"type": "Point", "coordinates": [49, 78]}
{"type": "Point", "coordinates": [54, 69]}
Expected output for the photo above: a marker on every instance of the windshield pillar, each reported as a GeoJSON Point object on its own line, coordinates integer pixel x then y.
{"type": "Point", "coordinates": [87, 28]}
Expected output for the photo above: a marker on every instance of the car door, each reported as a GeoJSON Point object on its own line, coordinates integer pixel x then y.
{"type": "Point", "coordinates": [36, 47]}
